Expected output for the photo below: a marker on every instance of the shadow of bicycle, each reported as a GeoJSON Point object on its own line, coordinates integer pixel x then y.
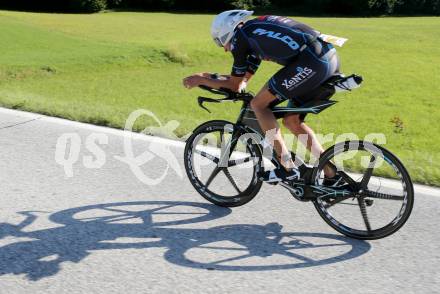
{"type": "Point", "coordinates": [155, 224]}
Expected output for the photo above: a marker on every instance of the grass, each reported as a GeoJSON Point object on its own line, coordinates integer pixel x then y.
{"type": "Point", "coordinates": [99, 68]}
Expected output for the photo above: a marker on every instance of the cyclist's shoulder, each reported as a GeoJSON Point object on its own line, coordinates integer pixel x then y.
{"type": "Point", "coordinates": [271, 20]}
{"type": "Point", "coordinates": [274, 23]}
{"type": "Point", "coordinates": [246, 31]}
{"type": "Point", "coordinates": [252, 23]}
{"type": "Point", "coordinates": [239, 39]}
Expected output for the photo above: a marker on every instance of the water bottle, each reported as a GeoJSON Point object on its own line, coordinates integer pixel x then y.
{"type": "Point", "coordinates": [348, 83]}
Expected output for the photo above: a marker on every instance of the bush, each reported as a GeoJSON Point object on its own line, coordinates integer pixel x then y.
{"type": "Point", "coordinates": [319, 7]}
{"type": "Point", "coordinates": [383, 6]}
{"type": "Point", "coordinates": [418, 7]}
{"type": "Point", "coordinates": [283, 7]}
{"type": "Point", "coordinates": [148, 4]}
{"type": "Point", "coordinates": [56, 6]}
{"type": "Point", "coordinates": [88, 5]}
{"type": "Point", "coordinates": [114, 3]}
{"type": "Point", "coordinates": [352, 7]}
{"type": "Point", "coordinates": [250, 4]}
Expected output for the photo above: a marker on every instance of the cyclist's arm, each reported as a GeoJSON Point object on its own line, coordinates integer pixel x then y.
{"type": "Point", "coordinates": [217, 81]}
{"type": "Point", "coordinates": [240, 73]}
{"type": "Point", "coordinates": [253, 63]}
{"type": "Point", "coordinates": [232, 83]}
{"type": "Point", "coordinates": [227, 81]}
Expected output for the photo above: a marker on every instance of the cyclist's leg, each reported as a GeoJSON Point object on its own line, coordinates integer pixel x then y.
{"type": "Point", "coordinates": [268, 123]}
{"type": "Point", "coordinates": [296, 124]}
{"type": "Point", "coordinates": [305, 134]}
{"type": "Point", "coordinates": [300, 83]}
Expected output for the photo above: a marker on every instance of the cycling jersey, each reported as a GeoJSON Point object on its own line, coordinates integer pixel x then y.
{"type": "Point", "coordinates": [307, 60]}
{"type": "Point", "coordinates": [274, 38]}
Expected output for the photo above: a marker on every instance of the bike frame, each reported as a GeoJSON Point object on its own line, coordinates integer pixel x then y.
{"type": "Point", "coordinates": [303, 190]}
{"type": "Point", "coordinates": [308, 187]}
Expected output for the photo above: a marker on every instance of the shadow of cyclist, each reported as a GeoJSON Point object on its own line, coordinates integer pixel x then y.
{"type": "Point", "coordinates": [152, 224]}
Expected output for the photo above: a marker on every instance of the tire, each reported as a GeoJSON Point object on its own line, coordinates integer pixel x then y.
{"type": "Point", "coordinates": [250, 248]}
{"type": "Point", "coordinates": [366, 199]}
{"type": "Point", "coordinates": [228, 199]}
{"type": "Point", "coordinates": [108, 213]}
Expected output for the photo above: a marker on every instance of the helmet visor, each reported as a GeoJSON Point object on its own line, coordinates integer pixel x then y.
{"type": "Point", "coordinates": [222, 40]}
{"type": "Point", "coordinates": [217, 41]}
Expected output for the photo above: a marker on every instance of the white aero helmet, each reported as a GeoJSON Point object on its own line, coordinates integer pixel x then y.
{"type": "Point", "coordinates": [224, 24]}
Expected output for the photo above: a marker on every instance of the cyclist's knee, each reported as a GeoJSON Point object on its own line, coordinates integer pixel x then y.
{"type": "Point", "coordinates": [262, 100]}
{"type": "Point", "coordinates": [255, 104]}
{"type": "Point", "coordinates": [259, 103]}
{"type": "Point", "coordinates": [293, 123]}
{"type": "Point", "coordinates": [292, 120]}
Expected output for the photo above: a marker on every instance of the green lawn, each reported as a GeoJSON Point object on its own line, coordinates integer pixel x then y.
{"type": "Point", "coordinates": [98, 68]}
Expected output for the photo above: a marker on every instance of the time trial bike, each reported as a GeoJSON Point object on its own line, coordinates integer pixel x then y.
{"type": "Point", "coordinates": [225, 160]}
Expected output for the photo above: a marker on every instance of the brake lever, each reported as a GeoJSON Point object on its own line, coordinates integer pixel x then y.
{"type": "Point", "coordinates": [222, 91]}
{"type": "Point", "coordinates": [205, 88]}
{"type": "Point", "coordinates": [205, 99]}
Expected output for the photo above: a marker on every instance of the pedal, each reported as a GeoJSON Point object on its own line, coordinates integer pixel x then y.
{"type": "Point", "coordinates": [369, 202]}
{"type": "Point", "coordinates": [305, 170]}
{"type": "Point", "coordinates": [272, 183]}
{"type": "Point", "coordinates": [261, 178]}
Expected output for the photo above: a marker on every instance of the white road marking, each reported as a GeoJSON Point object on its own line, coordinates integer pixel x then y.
{"type": "Point", "coordinates": [421, 189]}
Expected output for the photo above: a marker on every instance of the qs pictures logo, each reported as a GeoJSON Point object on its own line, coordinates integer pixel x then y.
{"type": "Point", "coordinates": [69, 145]}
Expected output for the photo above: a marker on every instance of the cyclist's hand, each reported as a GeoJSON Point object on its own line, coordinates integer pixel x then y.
{"type": "Point", "coordinates": [243, 86]}
{"type": "Point", "coordinates": [192, 81]}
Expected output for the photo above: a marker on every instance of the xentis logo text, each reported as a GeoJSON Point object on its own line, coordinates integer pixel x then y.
{"type": "Point", "coordinates": [302, 75]}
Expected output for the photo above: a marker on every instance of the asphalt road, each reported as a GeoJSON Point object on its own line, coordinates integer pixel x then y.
{"type": "Point", "coordinates": [102, 230]}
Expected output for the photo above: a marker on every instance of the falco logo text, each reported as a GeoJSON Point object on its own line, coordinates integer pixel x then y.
{"type": "Point", "coordinates": [278, 36]}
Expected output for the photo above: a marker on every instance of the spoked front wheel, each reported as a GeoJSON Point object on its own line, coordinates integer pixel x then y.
{"type": "Point", "coordinates": [374, 196]}
{"type": "Point", "coordinates": [222, 165]}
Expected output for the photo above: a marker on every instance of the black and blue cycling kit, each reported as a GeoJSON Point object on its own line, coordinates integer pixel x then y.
{"type": "Point", "coordinates": [307, 60]}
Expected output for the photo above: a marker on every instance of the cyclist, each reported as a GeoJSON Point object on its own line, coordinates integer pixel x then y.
{"type": "Point", "coordinates": [307, 62]}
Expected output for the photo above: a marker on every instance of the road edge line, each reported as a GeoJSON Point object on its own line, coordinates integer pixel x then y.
{"type": "Point", "coordinates": [419, 188]}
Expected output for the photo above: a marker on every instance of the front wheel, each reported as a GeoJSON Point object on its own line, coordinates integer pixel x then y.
{"type": "Point", "coordinates": [222, 165]}
{"type": "Point", "coordinates": [374, 195]}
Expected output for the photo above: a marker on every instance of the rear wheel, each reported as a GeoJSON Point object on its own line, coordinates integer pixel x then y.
{"type": "Point", "coordinates": [222, 165]}
{"type": "Point", "coordinates": [374, 197]}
